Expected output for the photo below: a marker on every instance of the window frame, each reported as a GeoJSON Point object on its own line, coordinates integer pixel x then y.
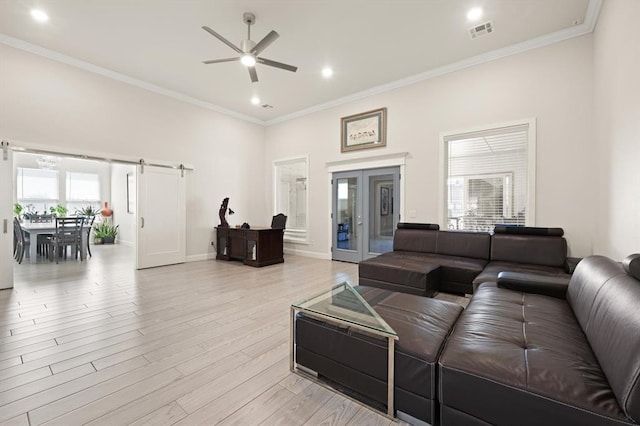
{"type": "Point", "coordinates": [291, 234]}
{"type": "Point", "coordinates": [530, 123]}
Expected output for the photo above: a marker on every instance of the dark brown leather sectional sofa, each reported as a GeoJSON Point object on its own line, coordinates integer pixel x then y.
{"type": "Point", "coordinates": [566, 354]}
{"type": "Point", "coordinates": [534, 359]}
{"type": "Point", "coordinates": [426, 260]}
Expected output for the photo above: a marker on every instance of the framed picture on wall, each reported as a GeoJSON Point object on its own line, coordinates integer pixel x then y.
{"type": "Point", "coordinates": [384, 201]}
{"type": "Point", "coordinates": [364, 130]}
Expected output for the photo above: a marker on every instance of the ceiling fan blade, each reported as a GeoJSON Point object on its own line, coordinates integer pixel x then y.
{"type": "Point", "coordinates": [253, 74]}
{"type": "Point", "coordinates": [215, 61]}
{"type": "Point", "coordinates": [277, 64]}
{"type": "Point", "coordinates": [222, 39]}
{"type": "Point", "coordinates": [265, 42]}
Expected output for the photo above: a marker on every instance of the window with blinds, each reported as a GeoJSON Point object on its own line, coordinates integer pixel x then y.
{"type": "Point", "coordinates": [487, 178]}
{"type": "Point", "coordinates": [37, 189]}
{"type": "Point", "coordinates": [83, 189]}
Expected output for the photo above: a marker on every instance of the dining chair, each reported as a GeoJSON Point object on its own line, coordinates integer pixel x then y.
{"type": "Point", "coordinates": [20, 240]}
{"type": "Point", "coordinates": [68, 234]}
{"type": "Point", "coordinates": [43, 239]}
{"type": "Point", "coordinates": [88, 225]}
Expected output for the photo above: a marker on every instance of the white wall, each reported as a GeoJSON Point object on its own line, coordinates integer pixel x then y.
{"type": "Point", "coordinates": [617, 116]}
{"type": "Point", "coordinates": [553, 84]}
{"type": "Point", "coordinates": [54, 104]}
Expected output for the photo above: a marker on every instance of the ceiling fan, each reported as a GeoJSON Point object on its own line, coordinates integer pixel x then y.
{"type": "Point", "coordinates": [249, 50]}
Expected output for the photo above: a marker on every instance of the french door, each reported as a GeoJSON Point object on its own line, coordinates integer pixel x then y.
{"type": "Point", "coordinates": [6, 216]}
{"type": "Point", "coordinates": [161, 230]}
{"type": "Point", "coordinates": [366, 205]}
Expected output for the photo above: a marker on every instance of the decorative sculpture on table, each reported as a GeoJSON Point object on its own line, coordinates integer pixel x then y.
{"type": "Point", "coordinates": [223, 212]}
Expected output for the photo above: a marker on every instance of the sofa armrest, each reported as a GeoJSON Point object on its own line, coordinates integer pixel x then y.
{"type": "Point", "coordinates": [571, 263]}
{"type": "Point", "coordinates": [536, 284]}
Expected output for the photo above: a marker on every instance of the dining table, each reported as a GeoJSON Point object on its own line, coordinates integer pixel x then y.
{"type": "Point", "coordinates": [47, 228]}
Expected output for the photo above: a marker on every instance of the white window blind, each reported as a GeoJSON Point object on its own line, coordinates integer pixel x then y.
{"type": "Point", "coordinates": [83, 189]}
{"type": "Point", "coordinates": [37, 185]}
{"type": "Point", "coordinates": [291, 196]}
{"type": "Point", "coordinates": [487, 178]}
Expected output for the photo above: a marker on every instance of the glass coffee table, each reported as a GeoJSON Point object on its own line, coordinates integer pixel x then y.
{"type": "Point", "coordinates": [343, 305]}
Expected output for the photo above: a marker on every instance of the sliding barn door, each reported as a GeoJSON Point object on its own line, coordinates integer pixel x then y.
{"type": "Point", "coordinates": [6, 217]}
{"type": "Point", "coordinates": [161, 230]}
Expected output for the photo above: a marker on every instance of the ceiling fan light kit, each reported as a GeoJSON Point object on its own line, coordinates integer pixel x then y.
{"type": "Point", "coordinates": [249, 50]}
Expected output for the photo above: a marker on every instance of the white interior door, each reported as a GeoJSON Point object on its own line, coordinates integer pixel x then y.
{"type": "Point", "coordinates": [161, 226]}
{"type": "Point", "coordinates": [6, 217]}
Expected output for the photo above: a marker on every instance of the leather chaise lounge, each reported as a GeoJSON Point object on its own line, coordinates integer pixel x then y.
{"type": "Point", "coordinates": [533, 359]}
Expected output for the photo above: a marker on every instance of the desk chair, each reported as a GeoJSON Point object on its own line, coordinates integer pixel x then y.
{"type": "Point", "coordinates": [279, 221]}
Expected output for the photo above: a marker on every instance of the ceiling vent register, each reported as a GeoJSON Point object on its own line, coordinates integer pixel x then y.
{"type": "Point", "coordinates": [481, 30]}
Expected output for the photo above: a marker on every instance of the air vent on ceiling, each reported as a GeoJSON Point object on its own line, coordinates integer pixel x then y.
{"type": "Point", "coordinates": [267, 106]}
{"type": "Point", "coordinates": [481, 30]}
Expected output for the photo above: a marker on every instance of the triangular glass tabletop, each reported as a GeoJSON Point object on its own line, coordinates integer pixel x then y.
{"type": "Point", "coordinates": [344, 303]}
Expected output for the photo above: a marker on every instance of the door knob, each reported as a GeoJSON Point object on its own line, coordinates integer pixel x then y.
{"type": "Point", "coordinates": [359, 223]}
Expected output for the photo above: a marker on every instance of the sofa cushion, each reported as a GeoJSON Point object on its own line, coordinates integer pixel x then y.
{"type": "Point", "coordinates": [529, 249]}
{"type": "Point", "coordinates": [606, 299]}
{"type": "Point", "coordinates": [415, 240]}
{"type": "Point", "coordinates": [493, 268]}
{"type": "Point", "coordinates": [518, 356]}
{"type": "Point", "coordinates": [464, 244]}
{"type": "Point", "coordinates": [455, 274]}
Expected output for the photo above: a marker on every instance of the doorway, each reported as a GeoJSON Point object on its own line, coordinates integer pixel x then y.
{"type": "Point", "coordinates": [365, 212]}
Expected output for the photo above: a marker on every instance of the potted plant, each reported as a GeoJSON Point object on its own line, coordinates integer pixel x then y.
{"type": "Point", "coordinates": [58, 211]}
{"type": "Point", "coordinates": [17, 210]}
{"type": "Point", "coordinates": [88, 211]}
{"type": "Point", "coordinates": [104, 233]}
{"type": "Point", "coordinates": [29, 211]}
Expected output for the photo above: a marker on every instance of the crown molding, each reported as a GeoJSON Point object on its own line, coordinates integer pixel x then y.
{"type": "Point", "coordinates": [59, 57]}
{"type": "Point", "coordinates": [591, 18]}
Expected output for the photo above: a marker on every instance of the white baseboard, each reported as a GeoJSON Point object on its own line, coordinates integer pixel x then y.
{"type": "Point", "coordinates": [126, 243]}
{"type": "Point", "coordinates": [199, 257]}
{"type": "Point", "coordinates": [313, 254]}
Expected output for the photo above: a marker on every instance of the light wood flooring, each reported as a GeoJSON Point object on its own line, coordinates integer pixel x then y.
{"type": "Point", "coordinates": [97, 342]}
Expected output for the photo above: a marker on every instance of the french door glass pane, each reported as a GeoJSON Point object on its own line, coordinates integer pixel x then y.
{"type": "Point", "coordinates": [381, 213]}
{"type": "Point", "coordinates": [347, 213]}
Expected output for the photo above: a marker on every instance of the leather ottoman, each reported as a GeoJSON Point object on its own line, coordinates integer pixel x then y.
{"type": "Point", "coordinates": [358, 361]}
{"type": "Point", "coordinates": [395, 272]}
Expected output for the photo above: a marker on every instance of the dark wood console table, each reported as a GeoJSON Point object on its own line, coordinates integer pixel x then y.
{"type": "Point", "coordinates": [254, 247]}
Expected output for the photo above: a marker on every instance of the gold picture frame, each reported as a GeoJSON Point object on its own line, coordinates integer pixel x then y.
{"type": "Point", "coordinates": [363, 131]}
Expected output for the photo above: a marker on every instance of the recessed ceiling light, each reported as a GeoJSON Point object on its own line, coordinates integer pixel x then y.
{"type": "Point", "coordinates": [474, 14]}
{"type": "Point", "coordinates": [39, 15]}
{"type": "Point", "coordinates": [255, 100]}
{"type": "Point", "coordinates": [327, 72]}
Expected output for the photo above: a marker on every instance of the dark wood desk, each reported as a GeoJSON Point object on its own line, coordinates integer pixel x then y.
{"type": "Point", "coordinates": [254, 247]}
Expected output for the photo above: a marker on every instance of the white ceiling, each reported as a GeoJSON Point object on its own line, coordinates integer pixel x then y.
{"type": "Point", "coordinates": [371, 44]}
